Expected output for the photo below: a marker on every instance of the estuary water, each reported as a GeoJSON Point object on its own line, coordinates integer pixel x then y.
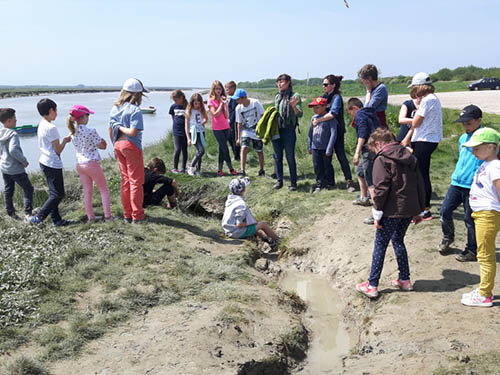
{"type": "Point", "coordinates": [156, 126]}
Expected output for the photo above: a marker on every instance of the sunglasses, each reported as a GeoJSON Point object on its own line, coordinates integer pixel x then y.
{"type": "Point", "coordinates": [326, 84]}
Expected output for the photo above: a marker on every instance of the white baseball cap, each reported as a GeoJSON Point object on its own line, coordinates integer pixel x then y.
{"type": "Point", "coordinates": [134, 85]}
{"type": "Point", "coordinates": [420, 79]}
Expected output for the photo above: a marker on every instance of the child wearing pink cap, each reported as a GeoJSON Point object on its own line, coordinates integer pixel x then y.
{"type": "Point", "coordinates": [86, 142]}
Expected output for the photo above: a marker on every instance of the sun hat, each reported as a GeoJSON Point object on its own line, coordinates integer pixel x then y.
{"type": "Point", "coordinates": [471, 112]}
{"type": "Point", "coordinates": [237, 185]}
{"type": "Point", "coordinates": [483, 135]}
{"type": "Point", "coordinates": [318, 101]}
{"type": "Point", "coordinates": [134, 85]}
{"type": "Point", "coordinates": [420, 79]}
{"type": "Point", "coordinates": [79, 110]}
{"type": "Point", "coordinates": [238, 94]}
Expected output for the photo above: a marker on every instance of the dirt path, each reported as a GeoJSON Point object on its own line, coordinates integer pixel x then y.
{"type": "Point", "coordinates": [487, 100]}
{"type": "Point", "coordinates": [406, 333]}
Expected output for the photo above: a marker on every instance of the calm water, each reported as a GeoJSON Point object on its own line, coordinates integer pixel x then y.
{"type": "Point", "coordinates": [156, 126]}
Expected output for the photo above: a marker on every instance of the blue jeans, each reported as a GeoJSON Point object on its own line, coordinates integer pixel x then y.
{"type": "Point", "coordinates": [285, 142]}
{"type": "Point", "coordinates": [55, 183]}
{"type": "Point", "coordinates": [325, 176]}
{"type": "Point", "coordinates": [393, 229]}
{"type": "Point", "coordinates": [455, 197]}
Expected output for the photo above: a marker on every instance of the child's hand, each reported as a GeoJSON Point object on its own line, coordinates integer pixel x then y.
{"type": "Point", "coordinates": [355, 159]}
{"type": "Point", "coordinates": [377, 224]}
{"type": "Point", "coordinates": [238, 142]}
{"type": "Point", "coordinates": [294, 101]}
{"type": "Point", "coordinates": [315, 122]}
{"type": "Point", "coordinates": [67, 139]}
{"type": "Point", "coordinates": [417, 219]}
{"type": "Point", "coordinates": [189, 142]}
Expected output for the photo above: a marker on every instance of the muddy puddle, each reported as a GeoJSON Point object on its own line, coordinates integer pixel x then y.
{"type": "Point", "coordinates": [329, 339]}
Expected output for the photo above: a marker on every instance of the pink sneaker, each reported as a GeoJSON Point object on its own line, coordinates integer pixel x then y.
{"type": "Point", "coordinates": [220, 174]}
{"type": "Point", "coordinates": [367, 290]}
{"type": "Point", "coordinates": [233, 172]}
{"type": "Point", "coordinates": [402, 284]}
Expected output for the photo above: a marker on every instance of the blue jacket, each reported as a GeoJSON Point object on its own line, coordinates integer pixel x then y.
{"type": "Point", "coordinates": [322, 136]}
{"type": "Point", "coordinates": [467, 164]}
{"type": "Point", "coordinates": [366, 123]}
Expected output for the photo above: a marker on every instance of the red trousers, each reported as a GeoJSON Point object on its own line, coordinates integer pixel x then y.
{"type": "Point", "coordinates": [131, 163]}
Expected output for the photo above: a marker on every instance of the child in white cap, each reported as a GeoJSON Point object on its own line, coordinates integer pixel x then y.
{"type": "Point", "coordinates": [239, 222]}
{"type": "Point", "coordinates": [484, 199]}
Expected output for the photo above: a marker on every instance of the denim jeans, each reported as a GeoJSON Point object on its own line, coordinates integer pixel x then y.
{"type": "Point", "coordinates": [286, 142]}
{"type": "Point", "coordinates": [455, 197]}
{"type": "Point", "coordinates": [55, 183]}
{"type": "Point", "coordinates": [323, 168]}
{"type": "Point", "coordinates": [23, 181]}
{"type": "Point", "coordinates": [200, 151]}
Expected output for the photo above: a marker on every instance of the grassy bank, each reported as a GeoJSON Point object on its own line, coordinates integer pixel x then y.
{"type": "Point", "coordinates": [62, 288]}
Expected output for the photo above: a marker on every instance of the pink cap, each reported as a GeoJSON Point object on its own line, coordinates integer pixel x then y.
{"type": "Point", "coordinates": [79, 110]}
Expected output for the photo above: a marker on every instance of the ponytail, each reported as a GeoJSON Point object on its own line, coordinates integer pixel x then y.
{"type": "Point", "coordinates": [71, 124]}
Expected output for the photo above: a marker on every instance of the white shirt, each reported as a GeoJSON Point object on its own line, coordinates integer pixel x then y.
{"type": "Point", "coordinates": [85, 141]}
{"type": "Point", "coordinates": [431, 129]}
{"type": "Point", "coordinates": [248, 117]}
{"type": "Point", "coordinates": [483, 194]}
{"type": "Point", "coordinates": [47, 133]}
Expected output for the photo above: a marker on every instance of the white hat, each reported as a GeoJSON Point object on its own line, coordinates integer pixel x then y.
{"type": "Point", "coordinates": [134, 85]}
{"type": "Point", "coordinates": [420, 79]}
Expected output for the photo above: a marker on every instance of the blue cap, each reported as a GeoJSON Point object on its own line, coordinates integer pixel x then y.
{"type": "Point", "coordinates": [238, 94]}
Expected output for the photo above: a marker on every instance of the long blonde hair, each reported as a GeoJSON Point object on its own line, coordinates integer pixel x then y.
{"type": "Point", "coordinates": [192, 99]}
{"type": "Point", "coordinates": [216, 83]}
{"type": "Point", "coordinates": [71, 124]}
{"type": "Point", "coordinates": [130, 97]}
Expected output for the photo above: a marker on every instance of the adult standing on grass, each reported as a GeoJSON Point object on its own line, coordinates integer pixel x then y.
{"type": "Point", "coordinates": [289, 108]}
{"type": "Point", "coordinates": [335, 110]}
{"type": "Point", "coordinates": [426, 130]}
{"type": "Point", "coordinates": [219, 112]}
{"type": "Point", "coordinates": [125, 130]}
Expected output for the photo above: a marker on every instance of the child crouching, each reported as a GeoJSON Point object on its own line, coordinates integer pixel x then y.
{"type": "Point", "coordinates": [239, 222]}
{"type": "Point", "coordinates": [153, 176]}
{"type": "Point", "coordinates": [398, 196]}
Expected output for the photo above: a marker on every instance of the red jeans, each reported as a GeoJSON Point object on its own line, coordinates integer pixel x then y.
{"type": "Point", "coordinates": [131, 163]}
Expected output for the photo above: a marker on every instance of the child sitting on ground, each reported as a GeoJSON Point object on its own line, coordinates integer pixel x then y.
{"type": "Point", "coordinates": [152, 176]}
{"type": "Point", "coordinates": [320, 143]}
{"type": "Point", "coordinates": [238, 221]}
{"type": "Point", "coordinates": [485, 204]}
{"type": "Point", "coordinates": [12, 164]}
{"type": "Point", "coordinates": [398, 196]}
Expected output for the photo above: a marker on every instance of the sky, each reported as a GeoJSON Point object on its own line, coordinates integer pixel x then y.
{"type": "Point", "coordinates": [193, 42]}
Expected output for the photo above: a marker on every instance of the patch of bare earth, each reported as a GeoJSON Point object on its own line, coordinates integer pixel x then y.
{"type": "Point", "coordinates": [401, 332]}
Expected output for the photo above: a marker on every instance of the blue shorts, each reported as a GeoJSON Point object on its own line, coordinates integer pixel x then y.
{"type": "Point", "coordinates": [250, 231]}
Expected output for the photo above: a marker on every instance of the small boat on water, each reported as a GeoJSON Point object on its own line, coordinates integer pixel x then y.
{"type": "Point", "coordinates": [149, 110]}
{"type": "Point", "coordinates": [26, 129]}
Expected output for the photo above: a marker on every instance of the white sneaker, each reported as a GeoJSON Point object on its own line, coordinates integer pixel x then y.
{"type": "Point", "coordinates": [191, 171]}
{"type": "Point", "coordinates": [477, 300]}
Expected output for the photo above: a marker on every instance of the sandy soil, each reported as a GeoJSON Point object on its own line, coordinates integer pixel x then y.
{"type": "Point", "coordinates": [487, 100]}
{"type": "Point", "coordinates": [402, 332]}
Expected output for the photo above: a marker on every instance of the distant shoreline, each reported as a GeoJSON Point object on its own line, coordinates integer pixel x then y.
{"type": "Point", "coordinates": [6, 93]}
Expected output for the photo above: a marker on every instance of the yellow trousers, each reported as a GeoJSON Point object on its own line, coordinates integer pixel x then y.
{"type": "Point", "coordinates": [487, 227]}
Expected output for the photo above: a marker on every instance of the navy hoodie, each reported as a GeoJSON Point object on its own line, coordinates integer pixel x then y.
{"type": "Point", "coordinates": [366, 123]}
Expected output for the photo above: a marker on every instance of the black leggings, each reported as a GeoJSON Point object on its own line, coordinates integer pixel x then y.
{"type": "Point", "coordinates": [423, 152]}
{"type": "Point", "coordinates": [180, 144]}
{"type": "Point", "coordinates": [222, 137]}
{"type": "Point", "coordinates": [196, 163]}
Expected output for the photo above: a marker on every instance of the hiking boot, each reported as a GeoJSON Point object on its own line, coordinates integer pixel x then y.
{"type": "Point", "coordinates": [262, 173]}
{"type": "Point", "coordinates": [367, 289]}
{"type": "Point", "coordinates": [278, 185]}
{"type": "Point", "coordinates": [362, 202]}
{"type": "Point", "coordinates": [351, 188]}
{"type": "Point", "coordinates": [292, 187]}
{"type": "Point", "coordinates": [444, 245]}
{"type": "Point", "coordinates": [466, 256]}
{"type": "Point", "coordinates": [402, 284]}
{"type": "Point", "coordinates": [369, 220]}
{"type": "Point", "coordinates": [476, 300]}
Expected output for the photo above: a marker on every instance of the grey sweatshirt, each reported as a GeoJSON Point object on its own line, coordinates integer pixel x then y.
{"type": "Point", "coordinates": [236, 212]}
{"type": "Point", "coordinates": [12, 160]}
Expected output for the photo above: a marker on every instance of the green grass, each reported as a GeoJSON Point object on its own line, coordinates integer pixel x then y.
{"type": "Point", "coordinates": [482, 364]}
{"type": "Point", "coordinates": [24, 366]}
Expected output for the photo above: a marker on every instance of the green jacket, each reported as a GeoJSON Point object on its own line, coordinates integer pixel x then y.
{"type": "Point", "coordinates": [267, 127]}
